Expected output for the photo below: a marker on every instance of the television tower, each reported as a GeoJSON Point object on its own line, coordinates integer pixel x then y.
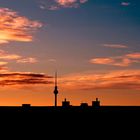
{"type": "Point", "coordinates": [55, 90]}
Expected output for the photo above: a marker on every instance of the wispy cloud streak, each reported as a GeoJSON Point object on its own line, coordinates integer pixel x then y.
{"type": "Point", "coordinates": [122, 61]}
{"type": "Point", "coordinates": [121, 79]}
{"type": "Point", "coordinates": [27, 60]}
{"type": "Point", "coordinates": [57, 4]}
{"type": "Point", "coordinates": [24, 78]}
{"type": "Point", "coordinates": [117, 46]}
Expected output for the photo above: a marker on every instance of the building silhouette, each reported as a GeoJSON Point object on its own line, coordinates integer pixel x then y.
{"type": "Point", "coordinates": [84, 105]}
{"type": "Point", "coordinates": [66, 103]}
{"type": "Point", "coordinates": [26, 105]}
{"type": "Point", "coordinates": [96, 103]}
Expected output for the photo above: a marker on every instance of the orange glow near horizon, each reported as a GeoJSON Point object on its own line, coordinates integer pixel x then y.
{"type": "Point", "coordinates": [75, 91]}
{"type": "Point", "coordinates": [75, 98]}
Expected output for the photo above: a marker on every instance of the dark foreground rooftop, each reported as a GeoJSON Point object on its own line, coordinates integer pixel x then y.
{"type": "Point", "coordinates": [71, 109]}
{"type": "Point", "coordinates": [75, 117]}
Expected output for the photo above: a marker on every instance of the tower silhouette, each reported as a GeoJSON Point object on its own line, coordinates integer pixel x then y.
{"type": "Point", "coordinates": [55, 90]}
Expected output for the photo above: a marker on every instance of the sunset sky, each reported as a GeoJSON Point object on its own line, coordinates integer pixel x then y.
{"type": "Point", "coordinates": [93, 44]}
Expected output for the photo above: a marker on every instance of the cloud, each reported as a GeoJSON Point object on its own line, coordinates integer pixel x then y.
{"type": "Point", "coordinates": [3, 68]}
{"type": "Point", "coordinates": [123, 79]}
{"type": "Point", "coordinates": [24, 78]}
{"type": "Point", "coordinates": [20, 59]}
{"type": "Point", "coordinates": [52, 60]}
{"type": "Point", "coordinates": [83, 1]}
{"type": "Point", "coordinates": [66, 2]}
{"type": "Point", "coordinates": [119, 46]}
{"type": "Point", "coordinates": [6, 56]}
{"type": "Point", "coordinates": [122, 61]}
{"type": "Point", "coordinates": [14, 27]}
{"type": "Point", "coordinates": [19, 78]}
{"type": "Point", "coordinates": [2, 63]}
{"type": "Point", "coordinates": [27, 60]}
{"type": "Point", "coordinates": [133, 55]}
{"type": "Point", "coordinates": [102, 61]}
{"type": "Point", "coordinates": [125, 3]}
{"type": "Point", "coordinates": [57, 4]}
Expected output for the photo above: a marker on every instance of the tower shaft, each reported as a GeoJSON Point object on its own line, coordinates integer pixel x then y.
{"type": "Point", "coordinates": [55, 90]}
{"type": "Point", "coordinates": [55, 104]}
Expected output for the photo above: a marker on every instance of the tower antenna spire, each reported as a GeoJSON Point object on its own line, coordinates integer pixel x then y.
{"type": "Point", "coordinates": [56, 79]}
{"type": "Point", "coordinates": [55, 90]}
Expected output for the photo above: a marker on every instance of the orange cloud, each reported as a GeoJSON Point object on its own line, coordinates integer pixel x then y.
{"type": "Point", "coordinates": [23, 78]}
{"type": "Point", "coordinates": [6, 56]}
{"type": "Point", "coordinates": [133, 55]}
{"type": "Point", "coordinates": [27, 60]}
{"type": "Point", "coordinates": [3, 68]}
{"type": "Point", "coordinates": [14, 27]}
{"type": "Point", "coordinates": [123, 79]}
{"type": "Point", "coordinates": [57, 4]}
{"type": "Point", "coordinates": [65, 2]}
{"type": "Point", "coordinates": [102, 61]}
{"type": "Point", "coordinates": [70, 3]}
{"type": "Point", "coordinates": [122, 61]}
{"type": "Point", "coordinates": [19, 59]}
{"type": "Point", "coordinates": [3, 63]}
{"type": "Point", "coordinates": [119, 46]}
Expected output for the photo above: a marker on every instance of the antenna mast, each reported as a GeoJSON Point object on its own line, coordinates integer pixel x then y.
{"type": "Point", "coordinates": [55, 90]}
